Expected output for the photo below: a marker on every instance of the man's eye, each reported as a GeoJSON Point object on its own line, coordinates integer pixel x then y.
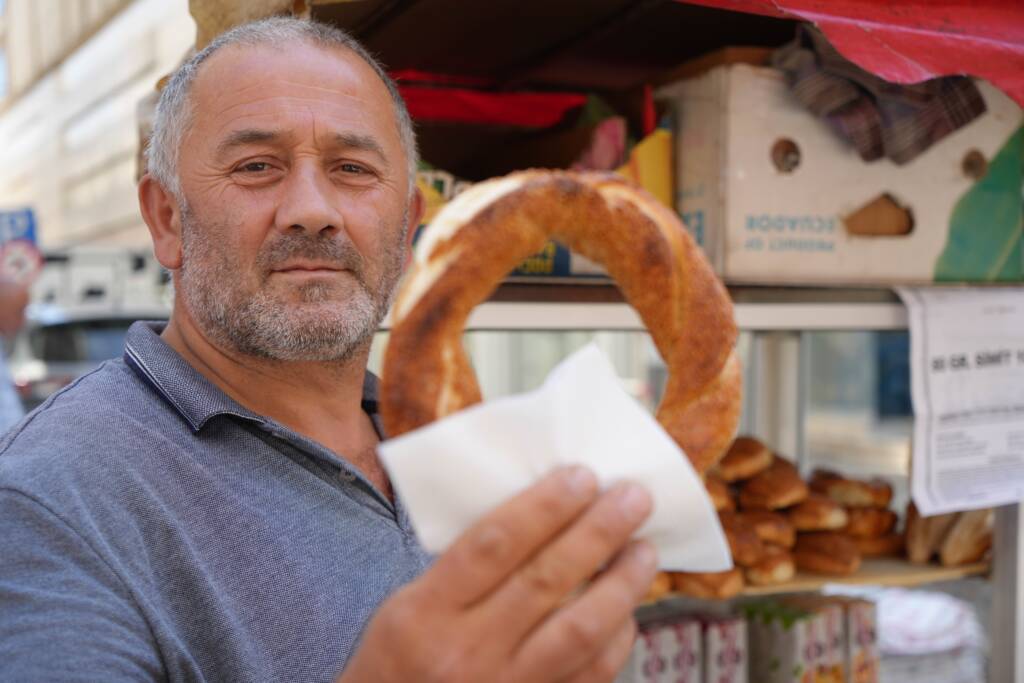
{"type": "Point", "coordinates": [352, 168]}
{"type": "Point", "coordinates": [254, 167]}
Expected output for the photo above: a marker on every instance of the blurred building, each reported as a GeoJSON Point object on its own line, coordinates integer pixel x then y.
{"type": "Point", "coordinates": [72, 74]}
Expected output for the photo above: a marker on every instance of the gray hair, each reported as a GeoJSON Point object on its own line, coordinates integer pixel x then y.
{"type": "Point", "coordinates": [174, 110]}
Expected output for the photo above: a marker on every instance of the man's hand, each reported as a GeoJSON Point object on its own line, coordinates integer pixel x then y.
{"type": "Point", "coordinates": [542, 589]}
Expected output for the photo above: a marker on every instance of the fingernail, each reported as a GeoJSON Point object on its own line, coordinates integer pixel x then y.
{"type": "Point", "coordinates": [634, 501]}
{"type": "Point", "coordinates": [579, 480]}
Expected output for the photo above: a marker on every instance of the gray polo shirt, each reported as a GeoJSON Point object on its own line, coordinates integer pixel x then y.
{"type": "Point", "coordinates": [153, 529]}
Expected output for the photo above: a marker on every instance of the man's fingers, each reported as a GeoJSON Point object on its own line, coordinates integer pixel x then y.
{"type": "Point", "coordinates": [541, 585]}
{"type": "Point", "coordinates": [493, 548]}
{"type": "Point", "coordinates": [578, 632]}
{"type": "Point", "coordinates": [608, 664]}
{"type": "Point", "coordinates": [534, 592]}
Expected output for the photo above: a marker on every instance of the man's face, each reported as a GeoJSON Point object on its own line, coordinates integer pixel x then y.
{"type": "Point", "coordinates": [295, 202]}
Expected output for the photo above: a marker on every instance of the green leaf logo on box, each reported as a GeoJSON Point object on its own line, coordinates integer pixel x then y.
{"type": "Point", "coordinates": [987, 224]}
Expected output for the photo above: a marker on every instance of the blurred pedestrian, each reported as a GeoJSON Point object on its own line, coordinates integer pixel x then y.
{"type": "Point", "coordinates": [13, 300]}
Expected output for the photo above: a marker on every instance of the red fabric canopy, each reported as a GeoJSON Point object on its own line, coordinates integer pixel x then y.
{"type": "Point", "coordinates": [914, 40]}
{"type": "Point", "coordinates": [465, 99]}
{"type": "Point", "coordinates": [460, 105]}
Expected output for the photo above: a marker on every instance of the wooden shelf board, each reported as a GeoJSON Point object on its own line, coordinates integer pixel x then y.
{"type": "Point", "coordinates": [885, 571]}
{"type": "Point", "coordinates": [891, 572]}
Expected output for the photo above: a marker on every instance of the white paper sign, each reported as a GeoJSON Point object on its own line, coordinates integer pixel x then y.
{"type": "Point", "coordinates": [967, 385]}
{"type": "Point", "coordinates": [453, 471]}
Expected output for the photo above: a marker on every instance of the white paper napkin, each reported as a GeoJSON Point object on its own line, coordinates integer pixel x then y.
{"type": "Point", "coordinates": [452, 472]}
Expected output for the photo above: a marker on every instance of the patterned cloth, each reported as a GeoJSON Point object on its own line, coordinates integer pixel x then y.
{"type": "Point", "coordinates": [879, 118]}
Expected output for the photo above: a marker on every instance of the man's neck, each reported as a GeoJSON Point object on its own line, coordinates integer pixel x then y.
{"type": "Point", "coordinates": [320, 400]}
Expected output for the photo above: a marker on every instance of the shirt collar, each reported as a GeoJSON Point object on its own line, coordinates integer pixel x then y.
{"type": "Point", "coordinates": [185, 389]}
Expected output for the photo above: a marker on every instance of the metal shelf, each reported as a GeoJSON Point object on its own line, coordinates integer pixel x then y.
{"type": "Point", "coordinates": [600, 307]}
{"type": "Point", "coordinates": [779, 316]}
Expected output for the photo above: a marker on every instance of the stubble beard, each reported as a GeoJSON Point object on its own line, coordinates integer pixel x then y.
{"type": "Point", "coordinates": [321, 327]}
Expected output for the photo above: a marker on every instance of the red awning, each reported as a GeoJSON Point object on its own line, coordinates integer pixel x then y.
{"type": "Point", "coordinates": [445, 98]}
{"type": "Point", "coordinates": [912, 41]}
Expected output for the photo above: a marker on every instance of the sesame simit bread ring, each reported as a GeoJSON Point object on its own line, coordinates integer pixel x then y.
{"type": "Point", "coordinates": [481, 235]}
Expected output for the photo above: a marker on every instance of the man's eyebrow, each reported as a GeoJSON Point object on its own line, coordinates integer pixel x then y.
{"type": "Point", "coordinates": [358, 141]}
{"type": "Point", "coordinates": [246, 136]}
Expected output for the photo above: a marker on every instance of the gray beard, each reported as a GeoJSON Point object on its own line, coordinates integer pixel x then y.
{"type": "Point", "coordinates": [258, 324]}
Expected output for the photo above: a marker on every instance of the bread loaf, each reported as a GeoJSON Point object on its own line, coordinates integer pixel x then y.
{"type": "Point", "coordinates": [851, 492]}
{"type": "Point", "coordinates": [817, 513]}
{"type": "Point", "coordinates": [744, 543]}
{"type": "Point", "coordinates": [478, 237]}
{"type": "Point", "coordinates": [826, 552]}
{"type": "Point", "coordinates": [879, 546]}
{"type": "Point", "coordinates": [924, 535]}
{"type": "Point", "coordinates": [969, 538]}
{"type": "Point", "coordinates": [719, 493]}
{"type": "Point", "coordinates": [869, 522]}
{"type": "Point", "coordinates": [775, 567]}
{"type": "Point", "coordinates": [779, 486]}
{"type": "Point", "coordinates": [770, 527]}
{"type": "Point", "coordinates": [660, 587]}
{"type": "Point", "coordinates": [745, 458]}
{"type": "Point", "coordinates": [709, 586]}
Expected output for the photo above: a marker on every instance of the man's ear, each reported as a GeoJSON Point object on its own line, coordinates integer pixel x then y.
{"type": "Point", "coordinates": [417, 207]}
{"type": "Point", "coordinates": [162, 214]}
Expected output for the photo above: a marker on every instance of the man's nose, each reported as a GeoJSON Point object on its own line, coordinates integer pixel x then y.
{"type": "Point", "coordinates": [308, 202]}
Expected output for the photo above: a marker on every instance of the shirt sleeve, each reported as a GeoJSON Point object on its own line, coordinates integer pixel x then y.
{"type": "Point", "coordinates": [64, 614]}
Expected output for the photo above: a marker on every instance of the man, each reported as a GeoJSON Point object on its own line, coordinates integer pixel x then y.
{"type": "Point", "coordinates": [211, 506]}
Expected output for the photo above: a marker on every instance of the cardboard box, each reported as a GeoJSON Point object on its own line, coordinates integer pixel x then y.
{"type": "Point", "coordinates": [667, 652]}
{"type": "Point", "coordinates": [553, 262]}
{"type": "Point", "coordinates": [860, 633]}
{"type": "Point", "coordinates": [725, 650]}
{"type": "Point", "coordinates": [828, 635]}
{"type": "Point", "coordinates": [845, 634]}
{"type": "Point", "coordinates": [650, 658]}
{"type": "Point", "coordinates": [686, 664]}
{"type": "Point", "coordinates": [782, 643]}
{"type": "Point", "coordinates": [776, 197]}
{"type": "Point", "coordinates": [649, 165]}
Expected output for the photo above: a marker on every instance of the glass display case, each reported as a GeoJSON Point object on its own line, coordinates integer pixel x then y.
{"type": "Point", "coordinates": [826, 375]}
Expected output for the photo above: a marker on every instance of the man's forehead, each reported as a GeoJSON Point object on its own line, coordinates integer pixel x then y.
{"type": "Point", "coordinates": [299, 88]}
{"type": "Point", "coordinates": [239, 73]}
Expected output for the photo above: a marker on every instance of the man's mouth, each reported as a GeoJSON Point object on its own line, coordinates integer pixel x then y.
{"type": "Point", "coordinates": [308, 268]}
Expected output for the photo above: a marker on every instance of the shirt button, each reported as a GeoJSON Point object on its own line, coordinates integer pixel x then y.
{"type": "Point", "coordinates": [345, 475]}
